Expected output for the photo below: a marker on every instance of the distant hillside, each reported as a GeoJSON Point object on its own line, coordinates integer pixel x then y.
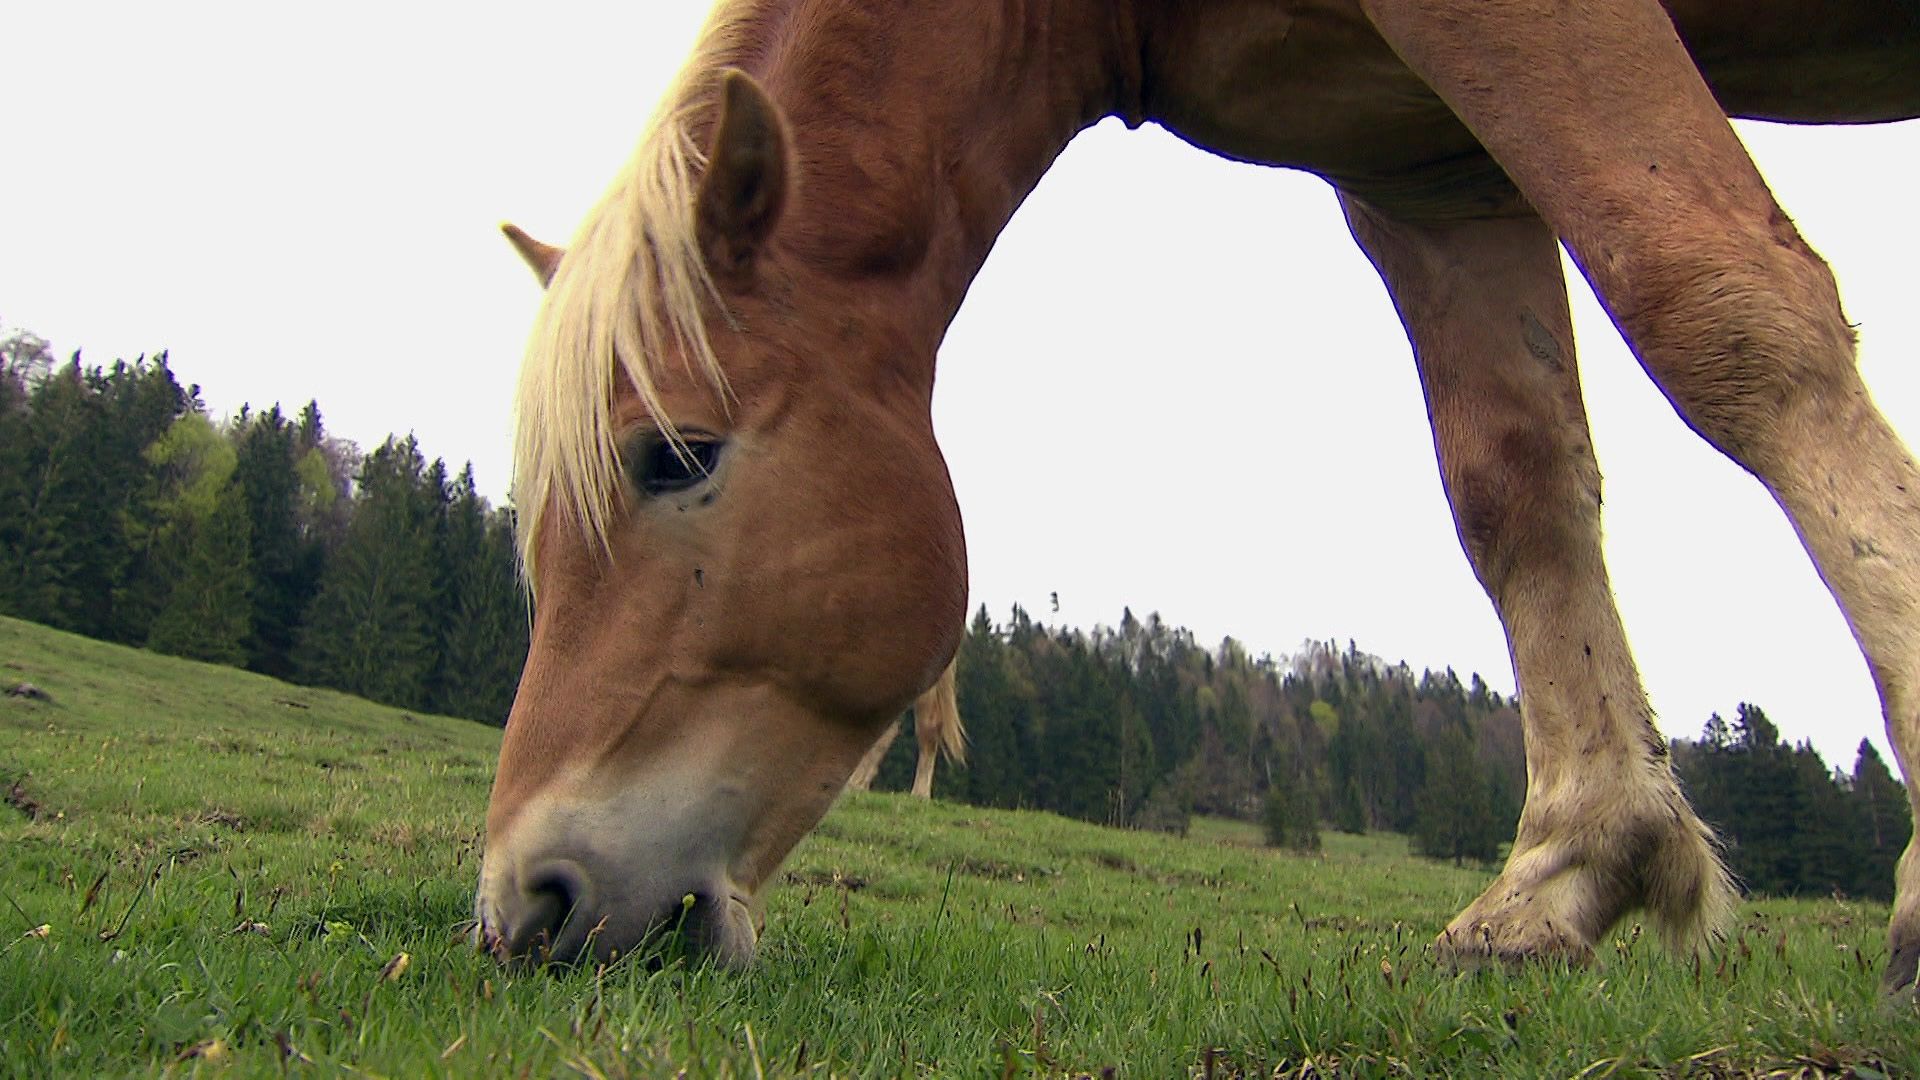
{"type": "Point", "coordinates": [131, 744]}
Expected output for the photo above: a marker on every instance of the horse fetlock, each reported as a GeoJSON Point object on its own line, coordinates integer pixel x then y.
{"type": "Point", "coordinates": [1563, 889]}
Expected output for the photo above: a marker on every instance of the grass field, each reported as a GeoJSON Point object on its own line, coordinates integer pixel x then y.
{"type": "Point", "coordinates": [208, 871]}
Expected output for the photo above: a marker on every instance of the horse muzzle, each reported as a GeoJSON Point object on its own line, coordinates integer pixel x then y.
{"type": "Point", "coordinates": [561, 912]}
{"type": "Point", "coordinates": [557, 889]}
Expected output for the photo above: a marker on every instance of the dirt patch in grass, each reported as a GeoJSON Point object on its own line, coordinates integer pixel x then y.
{"type": "Point", "coordinates": [995, 870]}
{"type": "Point", "coordinates": [832, 879]}
{"type": "Point", "coordinates": [223, 818]}
{"type": "Point", "coordinates": [18, 798]}
{"type": "Point", "coordinates": [26, 691]}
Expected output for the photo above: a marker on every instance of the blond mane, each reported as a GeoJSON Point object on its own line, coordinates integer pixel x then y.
{"type": "Point", "coordinates": [632, 287]}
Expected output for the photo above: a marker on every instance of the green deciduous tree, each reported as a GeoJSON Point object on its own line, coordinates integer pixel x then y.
{"type": "Point", "coordinates": [369, 630]}
{"type": "Point", "coordinates": [206, 614]}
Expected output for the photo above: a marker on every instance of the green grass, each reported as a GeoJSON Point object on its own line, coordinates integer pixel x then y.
{"type": "Point", "coordinates": [226, 869]}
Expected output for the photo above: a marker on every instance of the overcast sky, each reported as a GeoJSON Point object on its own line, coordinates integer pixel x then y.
{"type": "Point", "coordinates": [1177, 385]}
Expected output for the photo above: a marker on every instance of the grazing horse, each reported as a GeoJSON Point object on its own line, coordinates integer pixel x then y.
{"type": "Point", "coordinates": [742, 537]}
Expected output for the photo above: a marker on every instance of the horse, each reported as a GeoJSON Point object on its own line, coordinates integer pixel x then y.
{"type": "Point", "coordinates": [937, 727]}
{"type": "Point", "coordinates": [743, 542]}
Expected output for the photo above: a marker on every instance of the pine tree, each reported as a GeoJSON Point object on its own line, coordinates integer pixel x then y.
{"type": "Point", "coordinates": [1830, 836]}
{"type": "Point", "coordinates": [75, 468]}
{"type": "Point", "coordinates": [1349, 808]}
{"type": "Point", "coordinates": [994, 773]}
{"type": "Point", "coordinates": [39, 567]}
{"type": "Point", "coordinates": [483, 614]}
{"type": "Point", "coordinates": [282, 559]}
{"type": "Point", "coordinates": [1886, 825]}
{"type": "Point", "coordinates": [1766, 805]}
{"type": "Point", "coordinates": [141, 403]}
{"type": "Point", "coordinates": [1351, 760]}
{"type": "Point", "coordinates": [1791, 825]}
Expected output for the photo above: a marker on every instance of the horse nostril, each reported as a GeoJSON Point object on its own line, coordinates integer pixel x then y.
{"type": "Point", "coordinates": [559, 886]}
{"type": "Point", "coordinates": [555, 892]}
{"type": "Point", "coordinates": [694, 906]}
{"type": "Point", "coordinates": [715, 925]}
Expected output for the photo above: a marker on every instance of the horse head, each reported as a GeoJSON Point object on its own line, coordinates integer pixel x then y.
{"type": "Point", "coordinates": [742, 542]}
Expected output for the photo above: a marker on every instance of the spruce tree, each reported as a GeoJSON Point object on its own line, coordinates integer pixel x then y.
{"type": "Point", "coordinates": [73, 448]}
{"type": "Point", "coordinates": [42, 569]}
{"type": "Point", "coordinates": [140, 403]}
{"type": "Point", "coordinates": [1766, 805]}
{"type": "Point", "coordinates": [283, 565]}
{"type": "Point", "coordinates": [1885, 817]}
{"type": "Point", "coordinates": [482, 621]}
{"type": "Point", "coordinates": [993, 772]}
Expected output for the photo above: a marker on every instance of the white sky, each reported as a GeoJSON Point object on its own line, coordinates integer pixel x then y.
{"type": "Point", "coordinates": [1177, 385]}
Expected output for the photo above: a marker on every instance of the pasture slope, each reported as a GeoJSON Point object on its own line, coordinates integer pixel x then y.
{"type": "Point", "coordinates": [206, 871]}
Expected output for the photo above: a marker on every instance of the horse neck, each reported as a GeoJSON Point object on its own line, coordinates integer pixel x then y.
{"type": "Point", "coordinates": [919, 127]}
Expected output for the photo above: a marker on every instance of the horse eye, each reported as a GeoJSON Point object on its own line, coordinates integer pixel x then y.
{"type": "Point", "coordinates": [659, 467]}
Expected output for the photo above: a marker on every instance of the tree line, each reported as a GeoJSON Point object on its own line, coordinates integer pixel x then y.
{"type": "Point", "coordinates": [1142, 726]}
{"type": "Point", "coordinates": [129, 514]}
{"type": "Point", "coordinates": [1791, 825]}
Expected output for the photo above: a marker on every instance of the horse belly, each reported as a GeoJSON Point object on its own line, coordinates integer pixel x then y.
{"type": "Point", "coordinates": [1839, 61]}
{"type": "Point", "coordinates": [1309, 84]}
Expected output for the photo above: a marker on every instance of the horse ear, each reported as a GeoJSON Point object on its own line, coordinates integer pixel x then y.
{"type": "Point", "coordinates": [745, 185]}
{"type": "Point", "coordinates": [544, 259]}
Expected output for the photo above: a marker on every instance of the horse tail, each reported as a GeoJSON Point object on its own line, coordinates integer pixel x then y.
{"type": "Point", "coordinates": [939, 709]}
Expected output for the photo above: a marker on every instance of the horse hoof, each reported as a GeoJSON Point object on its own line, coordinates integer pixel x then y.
{"type": "Point", "coordinates": [1489, 942]}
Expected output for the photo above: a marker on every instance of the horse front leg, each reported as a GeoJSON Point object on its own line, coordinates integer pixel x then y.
{"type": "Point", "coordinates": [1605, 828]}
{"type": "Point", "coordinates": [1598, 114]}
